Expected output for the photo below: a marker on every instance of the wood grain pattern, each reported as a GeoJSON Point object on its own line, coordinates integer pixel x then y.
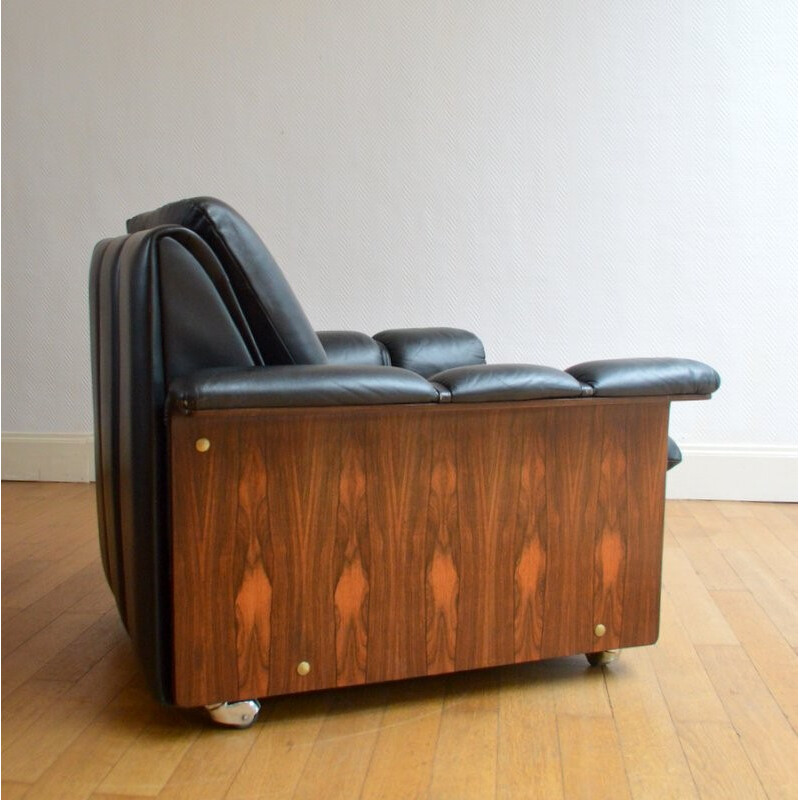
{"type": "Point", "coordinates": [645, 479]}
{"type": "Point", "coordinates": [398, 448]}
{"type": "Point", "coordinates": [443, 553]}
{"type": "Point", "coordinates": [488, 456]}
{"type": "Point", "coordinates": [253, 603]}
{"type": "Point", "coordinates": [574, 444]}
{"type": "Point", "coordinates": [385, 543]}
{"type": "Point", "coordinates": [302, 499]}
{"type": "Point", "coordinates": [530, 562]}
{"type": "Point", "coordinates": [351, 596]}
{"type": "Point", "coordinates": [612, 534]}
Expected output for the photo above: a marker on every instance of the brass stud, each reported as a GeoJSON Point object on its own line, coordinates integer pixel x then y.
{"type": "Point", "coordinates": [303, 668]}
{"type": "Point", "coordinates": [202, 445]}
{"type": "Point", "coordinates": [599, 630]}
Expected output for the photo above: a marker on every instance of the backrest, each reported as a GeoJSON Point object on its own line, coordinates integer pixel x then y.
{"type": "Point", "coordinates": [161, 307]}
{"type": "Point", "coordinates": [280, 327]}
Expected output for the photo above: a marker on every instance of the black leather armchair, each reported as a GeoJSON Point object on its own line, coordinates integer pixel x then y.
{"type": "Point", "coordinates": [282, 510]}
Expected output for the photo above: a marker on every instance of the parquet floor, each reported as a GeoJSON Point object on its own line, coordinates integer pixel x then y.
{"type": "Point", "coordinates": [710, 711]}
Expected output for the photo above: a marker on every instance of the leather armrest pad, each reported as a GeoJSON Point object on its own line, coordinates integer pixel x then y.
{"type": "Point", "coordinates": [431, 350]}
{"type": "Point", "coordinates": [631, 377]}
{"type": "Point", "coordinates": [352, 347]}
{"type": "Point", "coordinates": [497, 382]}
{"type": "Point", "coordinates": [310, 385]}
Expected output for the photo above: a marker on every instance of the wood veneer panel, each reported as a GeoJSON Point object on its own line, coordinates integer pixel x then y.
{"type": "Point", "coordinates": [384, 543]}
{"type": "Point", "coordinates": [530, 561]}
{"type": "Point", "coordinates": [612, 529]}
{"type": "Point", "coordinates": [398, 458]}
{"type": "Point", "coordinates": [488, 458]}
{"type": "Point", "coordinates": [574, 441]}
{"type": "Point", "coordinates": [302, 500]}
{"type": "Point", "coordinates": [351, 559]}
{"type": "Point", "coordinates": [647, 449]}
{"type": "Point", "coordinates": [251, 567]}
{"type": "Point", "coordinates": [203, 592]}
{"type": "Point", "coordinates": [443, 553]}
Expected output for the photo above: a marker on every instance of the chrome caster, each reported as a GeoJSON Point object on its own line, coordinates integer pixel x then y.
{"type": "Point", "coordinates": [241, 714]}
{"type": "Point", "coordinates": [602, 658]}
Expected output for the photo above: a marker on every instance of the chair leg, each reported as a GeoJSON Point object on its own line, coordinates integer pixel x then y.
{"type": "Point", "coordinates": [602, 657]}
{"type": "Point", "coordinates": [241, 714]}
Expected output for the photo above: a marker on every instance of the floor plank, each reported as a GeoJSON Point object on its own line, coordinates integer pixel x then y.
{"type": "Point", "coordinates": [765, 734]}
{"type": "Point", "coordinates": [402, 761]}
{"type": "Point", "coordinates": [710, 711]}
{"type": "Point", "coordinates": [591, 758]}
{"type": "Point", "coordinates": [343, 747]}
{"type": "Point", "coordinates": [770, 653]}
{"type": "Point", "coordinates": [651, 750]}
{"type": "Point", "coordinates": [718, 762]}
{"type": "Point", "coordinates": [466, 750]}
{"type": "Point", "coordinates": [528, 750]}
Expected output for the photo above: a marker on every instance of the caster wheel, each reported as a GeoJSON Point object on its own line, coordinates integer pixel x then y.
{"type": "Point", "coordinates": [235, 715]}
{"type": "Point", "coordinates": [602, 658]}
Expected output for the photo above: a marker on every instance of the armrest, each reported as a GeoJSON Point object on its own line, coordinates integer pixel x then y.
{"type": "Point", "coordinates": [431, 350]}
{"type": "Point", "coordinates": [298, 385]}
{"type": "Point", "coordinates": [352, 347]}
{"type": "Point", "coordinates": [632, 377]}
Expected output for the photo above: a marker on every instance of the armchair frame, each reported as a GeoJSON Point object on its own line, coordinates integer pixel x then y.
{"type": "Point", "coordinates": [323, 547]}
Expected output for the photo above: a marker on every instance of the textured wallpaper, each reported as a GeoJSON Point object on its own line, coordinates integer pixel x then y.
{"type": "Point", "coordinates": [570, 180]}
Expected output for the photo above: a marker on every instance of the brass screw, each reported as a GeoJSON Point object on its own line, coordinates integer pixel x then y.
{"type": "Point", "coordinates": [303, 668]}
{"type": "Point", "coordinates": [599, 630]}
{"type": "Point", "coordinates": [202, 445]}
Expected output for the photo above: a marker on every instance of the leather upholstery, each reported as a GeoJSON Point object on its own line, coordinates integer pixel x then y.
{"type": "Point", "coordinates": [312, 385]}
{"type": "Point", "coordinates": [280, 327]}
{"type": "Point", "coordinates": [496, 382]}
{"type": "Point", "coordinates": [145, 333]}
{"type": "Point", "coordinates": [352, 347]}
{"type": "Point", "coordinates": [630, 377]}
{"type": "Point", "coordinates": [674, 455]}
{"type": "Point", "coordinates": [431, 350]}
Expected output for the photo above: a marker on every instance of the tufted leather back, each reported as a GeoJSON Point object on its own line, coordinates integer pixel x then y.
{"type": "Point", "coordinates": [280, 327]}
{"type": "Point", "coordinates": [161, 307]}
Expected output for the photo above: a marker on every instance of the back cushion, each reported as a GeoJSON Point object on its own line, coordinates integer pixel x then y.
{"type": "Point", "coordinates": [280, 327]}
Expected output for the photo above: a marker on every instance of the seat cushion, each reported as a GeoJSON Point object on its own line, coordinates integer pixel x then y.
{"type": "Point", "coordinates": [352, 347]}
{"type": "Point", "coordinates": [481, 383]}
{"type": "Point", "coordinates": [287, 386]}
{"type": "Point", "coordinates": [431, 350]}
{"type": "Point", "coordinates": [277, 321]}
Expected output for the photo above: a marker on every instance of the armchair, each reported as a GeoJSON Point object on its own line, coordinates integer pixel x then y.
{"type": "Point", "coordinates": [282, 510]}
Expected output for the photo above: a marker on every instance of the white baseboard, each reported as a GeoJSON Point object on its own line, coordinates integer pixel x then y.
{"type": "Point", "coordinates": [735, 472]}
{"type": "Point", "coordinates": [48, 457]}
{"type": "Point", "coordinates": [719, 472]}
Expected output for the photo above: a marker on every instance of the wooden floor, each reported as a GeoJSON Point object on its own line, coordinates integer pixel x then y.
{"type": "Point", "coordinates": [710, 711]}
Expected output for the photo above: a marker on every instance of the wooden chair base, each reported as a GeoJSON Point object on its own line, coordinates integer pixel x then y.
{"type": "Point", "coordinates": [315, 548]}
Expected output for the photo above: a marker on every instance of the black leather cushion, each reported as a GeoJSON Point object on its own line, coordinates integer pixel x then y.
{"type": "Point", "coordinates": [352, 347]}
{"type": "Point", "coordinates": [313, 385]}
{"type": "Point", "coordinates": [431, 350]}
{"type": "Point", "coordinates": [674, 455]}
{"type": "Point", "coordinates": [493, 382]}
{"type": "Point", "coordinates": [280, 327]}
{"type": "Point", "coordinates": [630, 377]}
{"type": "Point", "coordinates": [195, 322]}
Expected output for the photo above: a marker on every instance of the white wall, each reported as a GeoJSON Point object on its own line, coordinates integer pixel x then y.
{"type": "Point", "coordinates": [570, 180]}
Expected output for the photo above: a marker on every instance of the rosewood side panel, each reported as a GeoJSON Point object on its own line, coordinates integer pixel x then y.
{"type": "Point", "coordinates": [379, 543]}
